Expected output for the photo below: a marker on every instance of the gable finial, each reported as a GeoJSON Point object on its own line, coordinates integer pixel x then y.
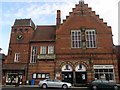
{"type": "Point", "coordinates": [81, 2]}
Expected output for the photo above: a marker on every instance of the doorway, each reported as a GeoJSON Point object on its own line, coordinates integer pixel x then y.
{"type": "Point", "coordinates": [81, 77]}
{"type": "Point", "coordinates": [67, 77]}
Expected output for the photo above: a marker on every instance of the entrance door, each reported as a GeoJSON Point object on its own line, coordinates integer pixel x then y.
{"type": "Point", "coordinates": [81, 77]}
{"type": "Point", "coordinates": [67, 77]}
{"type": "Point", "coordinates": [67, 73]}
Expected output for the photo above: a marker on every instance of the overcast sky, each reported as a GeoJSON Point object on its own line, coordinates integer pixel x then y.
{"type": "Point", "coordinates": [43, 12]}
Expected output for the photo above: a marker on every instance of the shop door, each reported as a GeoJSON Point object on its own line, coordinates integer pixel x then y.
{"type": "Point", "coordinates": [81, 77]}
{"type": "Point", "coordinates": [67, 77]}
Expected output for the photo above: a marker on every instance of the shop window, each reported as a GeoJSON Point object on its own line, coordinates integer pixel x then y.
{"type": "Point", "coordinates": [111, 76]}
{"type": "Point", "coordinates": [47, 75]}
{"type": "Point", "coordinates": [34, 76]}
{"type": "Point", "coordinates": [110, 70]}
{"type": "Point", "coordinates": [107, 74]}
{"type": "Point", "coordinates": [41, 75]}
{"type": "Point", "coordinates": [100, 70]}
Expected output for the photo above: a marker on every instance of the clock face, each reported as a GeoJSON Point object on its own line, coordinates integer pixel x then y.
{"type": "Point", "coordinates": [19, 37]}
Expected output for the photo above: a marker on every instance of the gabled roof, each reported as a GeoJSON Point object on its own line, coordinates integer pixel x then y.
{"type": "Point", "coordinates": [44, 33]}
{"type": "Point", "coordinates": [24, 22]}
{"type": "Point", "coordinates": [83, 16]}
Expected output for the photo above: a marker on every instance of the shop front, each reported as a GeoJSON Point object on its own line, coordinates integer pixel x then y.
{"type": "Point", "coordinates": [104, 72]}
{"type": "Point", "coordinates": [10, 74]}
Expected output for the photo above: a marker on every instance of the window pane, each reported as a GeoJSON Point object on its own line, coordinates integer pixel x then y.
{"type": "Point", "coordinates": [110, 70]}
{"type": "Point", "coordinates": [47, 75]}
{"type": "Point", "coordinates": [96, 76]}
{"type": "Point", "coordinates": [90, 39]}
{"type": "Point", "coordinates": [105, 70]}
{"type": "Point", "coordinates": [50, 49]}
{"type": "Point", "coordinates": [96, 70]}
{"type": "Point", "coordinates": [17, 57]}
{"type": "Point", "coordinates": [33, 54]}
{"type": "Point", "coordinates": [43, 50]}
{"type": "Point", "coordinates": [39, 75]}
{"type": "Point", "coordinates": [100, 70]}
{"type": "Point", "coordinates": [43, 75]}
{"type": "Point", "coordinates": [34, 76]}
{"type": "Point", "coordinates": [111, 77]}
{"type": "Point", "coordinates": [76, 38]}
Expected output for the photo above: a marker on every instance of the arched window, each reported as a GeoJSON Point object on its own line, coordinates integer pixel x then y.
{"type": "Point", "coordinates": [67, 67]}
{"type": "Point", "coordinates": [80, 67]}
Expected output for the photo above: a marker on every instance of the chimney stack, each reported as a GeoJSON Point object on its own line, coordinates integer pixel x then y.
{"type": "Point", "coordinates": [58, 19]}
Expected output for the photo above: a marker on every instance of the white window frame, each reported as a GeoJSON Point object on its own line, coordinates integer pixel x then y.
{"type": "Point", "coordinates": [43, 49]}
{"type": "Point", "coordinates": [17, 57]}
{"type": "Point", "coordinates": [103, 67]}
{"type": "Point", "coordinates": [50, 49]}
{"type": "Point", "coordinates": [76, 42]}
{"type": "Point", "coordinates": [90, 39]}
{"type": "Point", "coordinates": [34, 76]}
{"type": "Point", "coordinates": [33, 54]}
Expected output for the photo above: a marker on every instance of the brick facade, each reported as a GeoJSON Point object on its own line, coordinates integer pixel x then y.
{"type": "Point", "coordinates": [76, 65]}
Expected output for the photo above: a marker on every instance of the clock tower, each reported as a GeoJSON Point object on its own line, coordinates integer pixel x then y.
{"type": "Point", "coordinates": [22, 32]}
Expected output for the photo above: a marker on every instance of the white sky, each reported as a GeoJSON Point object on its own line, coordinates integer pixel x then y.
{"type": "Point", "coordinates": [44, 12]}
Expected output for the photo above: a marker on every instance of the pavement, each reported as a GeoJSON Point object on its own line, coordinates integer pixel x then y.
{"type": "Point", "coordinates": [32, 86]}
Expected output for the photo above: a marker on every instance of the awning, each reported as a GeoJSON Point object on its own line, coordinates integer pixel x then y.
{"type": "Point", "coordinates": [14, 66]}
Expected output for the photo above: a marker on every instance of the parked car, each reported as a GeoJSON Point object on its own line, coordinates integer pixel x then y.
{"type": "Point", "coordinates": [103, 84]}
{"type": "Point", "coordinates": [54, 84]}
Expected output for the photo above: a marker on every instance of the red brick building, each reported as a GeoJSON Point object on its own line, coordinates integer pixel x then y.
{"type": "Point", "coordinates": [78, 50]}
{"type": "Point", "coordinates": [117, 51]}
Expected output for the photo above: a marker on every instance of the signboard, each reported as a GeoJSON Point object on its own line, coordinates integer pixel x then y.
{"type": "Point", "coordinates": [103, 66]}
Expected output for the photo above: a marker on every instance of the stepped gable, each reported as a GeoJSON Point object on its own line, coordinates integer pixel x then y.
{"type": "Point", "coordinates": [44, 33]}
{"type": "Point", "coordinates": [83, 12]}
